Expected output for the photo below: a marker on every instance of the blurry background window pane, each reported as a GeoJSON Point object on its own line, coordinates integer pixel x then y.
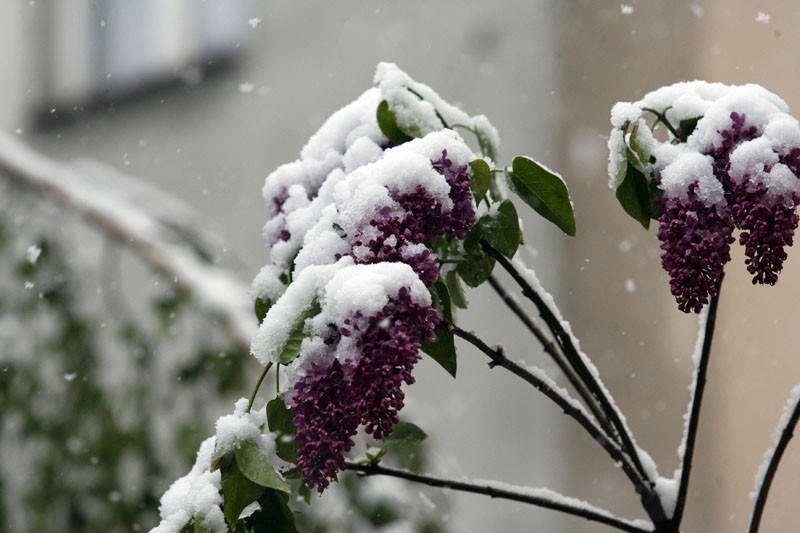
{"type": "Point", "coordinates": [105, 50]}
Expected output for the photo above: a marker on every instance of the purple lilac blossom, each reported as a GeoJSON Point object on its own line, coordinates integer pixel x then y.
{"type": "Point", "coordinates": [696, 240]}
{"type": "Point", "coordinates": [696, 237]}
{"type": "Point", "coordinates": [767, 222]}
{"type": "Point", "coordinates": [391, 234]}
{"type": "Point", "coordinates": [329, 403]}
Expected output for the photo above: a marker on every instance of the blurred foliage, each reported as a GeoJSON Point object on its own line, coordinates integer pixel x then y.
{"type": "Point", "coordinates": [109, 380]}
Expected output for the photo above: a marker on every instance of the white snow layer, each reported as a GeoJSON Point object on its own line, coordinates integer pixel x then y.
{"type": "Point", "coordinates": [342, 289]}
{"type": "Point", "coordinates": [194, 496]}
{"type": "Point", "coordinates": [344, 174]}
{"type": "Point", "coordinates": [243, 426]}
{"type": "Point", "coordinates": [418, 107]}
{"type": "Point", "coordinates": [678, 165]}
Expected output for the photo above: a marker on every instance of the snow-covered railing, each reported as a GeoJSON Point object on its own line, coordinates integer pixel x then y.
{"type": "Point", "coordinates": [161, 230]}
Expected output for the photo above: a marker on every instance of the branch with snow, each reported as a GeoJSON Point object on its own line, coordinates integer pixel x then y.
{"type": "Point", "coordinates": [783, 433]}
{"type": "Point", "coordinates": [161, 230]}
{"type": "Point", "coordinates": [700, 358]}
{"type": "Point", "coordinates": [587, 372]}
{"type": "Point", "coordinates": [540, 497]}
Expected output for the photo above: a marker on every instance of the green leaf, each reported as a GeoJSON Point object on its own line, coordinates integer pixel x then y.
{"type": "Point", "coordinates": [475, 267]}
{"type": "Point", "coordinates": [275, 516]}
{"type": "Point", "coordinates": [280, 421]}
{"type": "Point", "coordinates": [254, 466]}
{"type": "Point", "coordinates": [404, 435]}
{"type": "Point", "coordinates": [387, 122]}
{"type": "Point", "coordinates": [500, 228]}
{"type": "Point", "coordinates": [442, 348]}
{"type": "Point", "coordinates": [291, 349]}
{"type": "Point", "coordinates": [633, 193]}
{"type": "Point", "coordinates": [687, 126]}
{"type": "Point", "coordinates": [441, 299]}
{"type": "Point", "coordinates": [304, 492]}
{"type": "Point", "coordinates": [544, 191]}
{"type": "Point", "coordinates": [455, 290]}
{"type": "Point", "coordinates": [262, 306]}
{"type": "Point", "coordinates": [480, 180]}
{"type": "Point", "coordinates": [238, 492]}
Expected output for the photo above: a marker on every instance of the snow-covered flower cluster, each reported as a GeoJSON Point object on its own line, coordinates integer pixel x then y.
{"type": "Point", "coordinates": [352, 226]}
{"type": "Point", "coordinates": [730, 160]}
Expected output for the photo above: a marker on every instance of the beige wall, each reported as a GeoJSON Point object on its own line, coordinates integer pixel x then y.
{"type": "Point", "coordinates": [640, 340]}
{"type": "Point", "coordinates": [756, 361]}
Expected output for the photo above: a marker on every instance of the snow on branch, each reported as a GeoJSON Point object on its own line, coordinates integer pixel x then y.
{"type": "Point", "coordinates": [160, 229]}
{"type": "Point", "coordinates": [783, 433]}
{"type": "Point", "coordinates": [540, 497]}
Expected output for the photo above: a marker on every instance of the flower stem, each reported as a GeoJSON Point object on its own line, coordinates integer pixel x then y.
{"type": "Point", "coordinates": [772, 467]}
{"type": "Point", "coordinates": [542, 498]}
{"type": "Point", "coordinates": [694, 412]}
{"type": "Point", "coordinates": [258, 385]}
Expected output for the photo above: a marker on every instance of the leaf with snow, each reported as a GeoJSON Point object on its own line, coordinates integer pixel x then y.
{"type": "Point", "coordinates": [254, 466]}
{"type": "Point", "coordinates": [262, 306]}
{"type": "Point", "coordinates": [387, 122]}
{"type": "Point", "coordinates": [291, 348]}
{"type": "Point", "coordinates": [543, 190]}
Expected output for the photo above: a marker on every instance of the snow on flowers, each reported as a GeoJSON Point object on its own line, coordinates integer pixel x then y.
{"type": "Point", "coordinates": [352, 227]}
{"type": "Point", "coordinates": [729, 159]}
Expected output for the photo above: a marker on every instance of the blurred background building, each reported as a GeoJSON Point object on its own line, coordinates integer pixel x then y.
{"type": "Point", "coordinates": [205, 98]}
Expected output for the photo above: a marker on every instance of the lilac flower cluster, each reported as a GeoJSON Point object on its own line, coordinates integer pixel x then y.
{"type": "Point", "coordinates": [736, 168]}
{"type": "Point", "coordinates": [398, 234]}
{"type": "Point", "coordinates": [696, 240]}
{"type": "Point", "coordinates": [329, 403]}
{"type": "Point", "coordinates": [352, 226]}
{"type": "Point", "coordinates": [696, 237]}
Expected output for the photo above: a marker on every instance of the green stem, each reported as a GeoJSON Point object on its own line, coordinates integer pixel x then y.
{"type": "Point", "coordinates": [258, 385]}
{"type": "Point", "coordinates": [662, 117]}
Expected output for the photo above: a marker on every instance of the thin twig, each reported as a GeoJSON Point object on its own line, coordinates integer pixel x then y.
{"type": "Point", "coordinates": [539, 497]}
{"type": "Point", "coordinates": [564, 340]}
{"type": "Point", "coordinates": [552, 350]}
{"type": "Point", "coordinates": [569, 406]}
{"type": "Point", "coordinates": [694, 411]}
{"type": "Point", "coordinates": [786, 435]}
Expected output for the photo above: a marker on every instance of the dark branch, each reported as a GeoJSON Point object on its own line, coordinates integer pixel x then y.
{"type": "Point", "coordinates": [552, 350]}
{"type": "Point", "coordinates": [564, 340]}
{"type": "Point", "coordinates": [570, 409]}
{"type": "Point", "coordinates": [556, 502]}
{"type": "Point", "coordinates": [772, 467]}
{"type": "Point", "coordinates": [694, 412]}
